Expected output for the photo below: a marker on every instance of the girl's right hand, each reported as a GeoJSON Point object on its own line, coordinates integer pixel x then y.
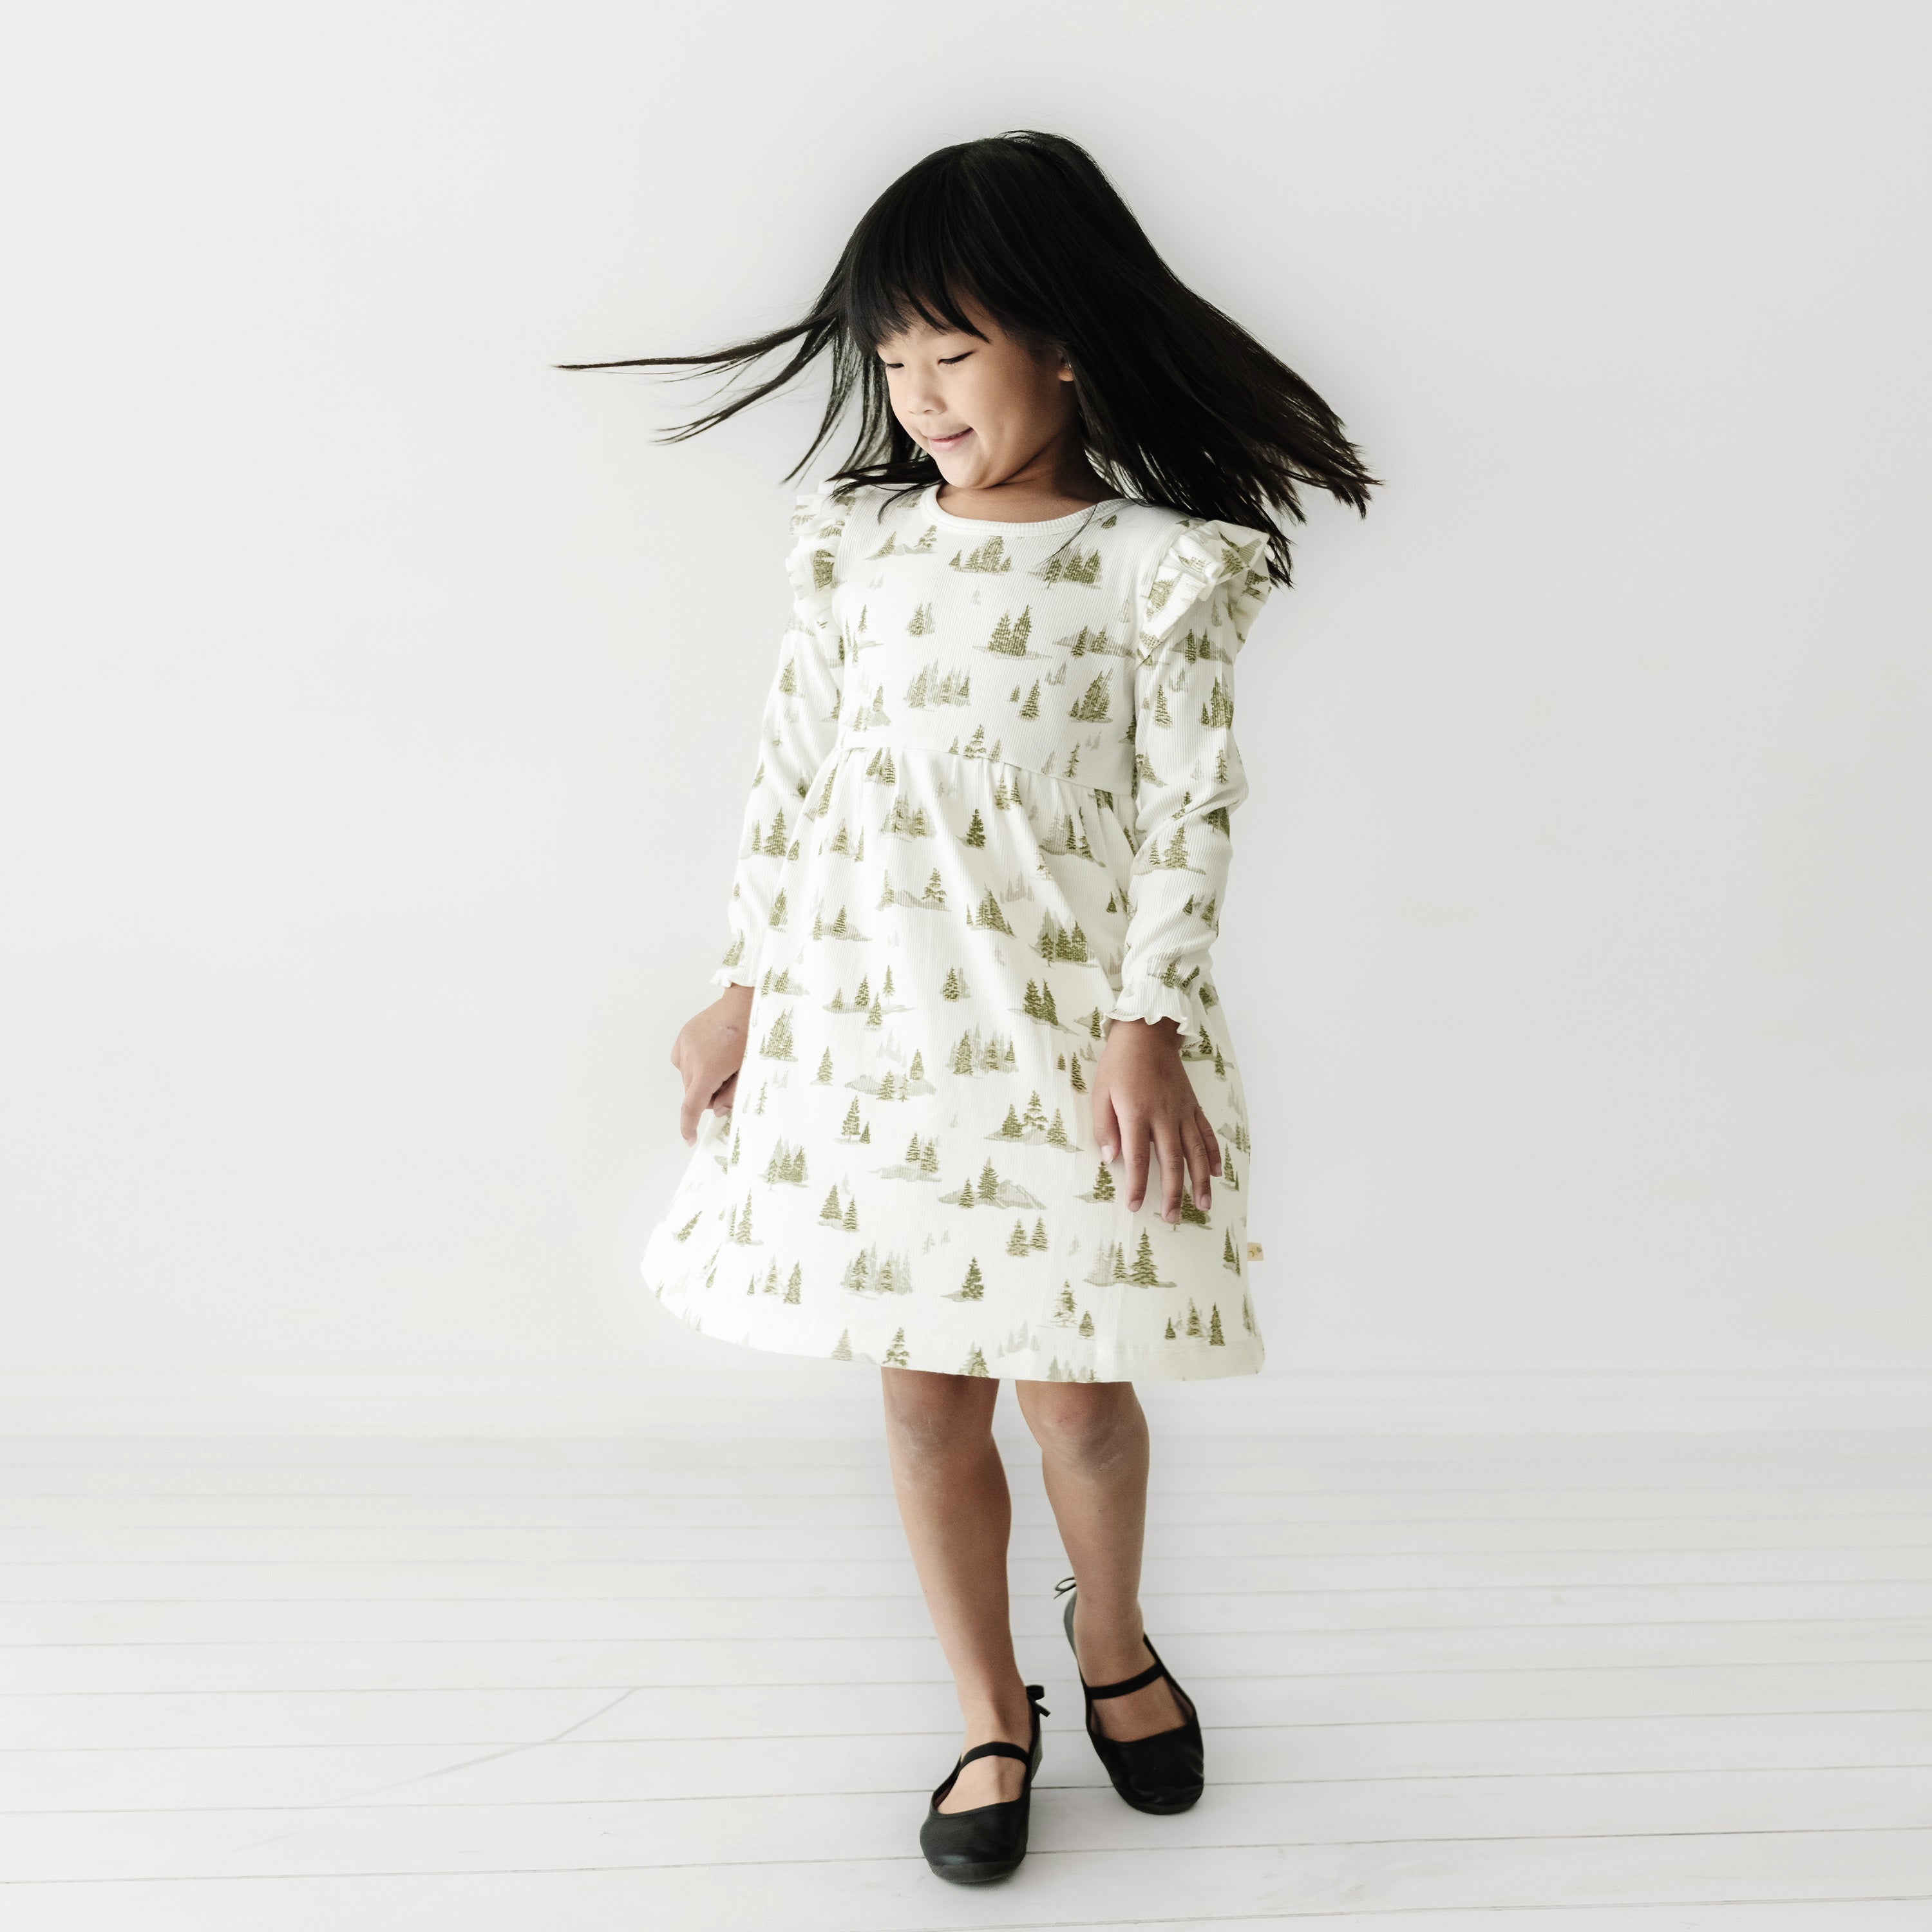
{"type": "Point", "coordinates": [708, 1051]}
{"type": "Point", "coordinates": [1144, 1105]}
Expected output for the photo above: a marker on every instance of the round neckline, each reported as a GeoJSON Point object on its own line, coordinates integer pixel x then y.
{"type": "Point", "coordinates": [931, 504]}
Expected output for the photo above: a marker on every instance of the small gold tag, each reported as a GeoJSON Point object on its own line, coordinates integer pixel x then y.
{"type": "Point", "coordinates": [1254, 1251]}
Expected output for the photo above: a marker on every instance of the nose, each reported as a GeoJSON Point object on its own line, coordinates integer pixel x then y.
{"type": "Point", "coordinates": [922, 395]}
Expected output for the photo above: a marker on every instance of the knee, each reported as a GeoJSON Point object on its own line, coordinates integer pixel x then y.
{"type": "Point", "coordinates": [932, 1417]}
{"type": "Point", "coordinates": [1094, 1425]}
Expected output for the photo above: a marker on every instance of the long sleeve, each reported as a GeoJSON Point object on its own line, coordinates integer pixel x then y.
{"type": "Point", "coordinates": [798, 730]}
{"type": "Point", "coordinates": [1198, 603]}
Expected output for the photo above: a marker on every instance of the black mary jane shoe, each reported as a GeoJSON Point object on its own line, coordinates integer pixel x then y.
{"type": "Point", "coordinates": [1161, 1774]}
{"type": "Point", "coordinates": [989, 1841]}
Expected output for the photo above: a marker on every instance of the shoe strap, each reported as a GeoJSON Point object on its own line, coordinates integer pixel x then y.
{"type": "Point", "coordinates": [1152, 1674]}
{"type": "Point", "coordinates": [999, 1748]}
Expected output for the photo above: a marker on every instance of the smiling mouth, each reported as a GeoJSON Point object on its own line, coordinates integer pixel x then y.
{"type": "Point", "coordinates": [949, 441]}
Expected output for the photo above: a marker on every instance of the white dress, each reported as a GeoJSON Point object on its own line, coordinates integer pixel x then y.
{"type": "Point", "coordinates": [990, 814]}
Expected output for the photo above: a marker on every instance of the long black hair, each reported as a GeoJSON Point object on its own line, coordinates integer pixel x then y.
{"type": "Point", "coordinates": [1178, 404]}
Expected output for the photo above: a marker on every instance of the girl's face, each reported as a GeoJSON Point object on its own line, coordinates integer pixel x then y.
{"type": "Point", "coordinates": [986, 407]}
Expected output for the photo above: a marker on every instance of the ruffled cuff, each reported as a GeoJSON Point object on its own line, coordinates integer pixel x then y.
{"type": "Point", "coordinates": [1212, 577]}
{"type": "Point", "coordinates": [732, 976]}
{"type": "Point", "coordinates": [1145, 997]}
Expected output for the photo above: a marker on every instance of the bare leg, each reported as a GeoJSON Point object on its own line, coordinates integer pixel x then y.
{"type": "Point", "coordinates": [1092, 1438]}
{"type": "Point", "coordinates": [954, 1502]}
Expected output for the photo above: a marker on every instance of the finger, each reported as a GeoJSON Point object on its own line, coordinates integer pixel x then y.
{"type": "Point", "coordinates": [1134, 1152]}
{"type": "Point", "coordinates": [1167, 1137]}
{"type": "Point", "coordinates": [1106, 1126]}
{"type": "Point", "coordinates": [702, 1096]}
{"type": "Point", "coordinates": [1196, 1144]}
{"type": "Point", "coordinates": [1213, 1139]}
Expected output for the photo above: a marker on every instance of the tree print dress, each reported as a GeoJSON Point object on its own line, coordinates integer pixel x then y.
{"type": "Point", "coordinates": [990, 816]}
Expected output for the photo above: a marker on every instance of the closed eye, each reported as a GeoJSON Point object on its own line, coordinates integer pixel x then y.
{"type": "Point", "coordinates": [944, 360]}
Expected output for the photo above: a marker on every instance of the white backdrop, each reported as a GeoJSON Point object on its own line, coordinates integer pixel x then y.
{"type": "Point", "coordinates": [372, 762]}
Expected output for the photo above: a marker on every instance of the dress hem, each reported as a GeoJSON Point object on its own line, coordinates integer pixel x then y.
{"type": "Point", "coordinates": [1205, 1361]}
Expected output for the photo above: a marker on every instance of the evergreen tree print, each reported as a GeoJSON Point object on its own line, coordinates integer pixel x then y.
{"type": "Point", "coordinates": [974, 1287]}
{"type": "Point", "coordinates": [1010, 634]}
{"type": "Point", "coordinates": [988, 557]}
{"type": "Point", "coordinates": [1092, 705]}
{"type": "Point", "coordinates": [1071, 566]}
{"type": "Point", "coordinates": [989, 914]}
{"type": "Point", "coordinates": [741, 1229]}
{"type": "Point", "coordinates": [786, 1167]}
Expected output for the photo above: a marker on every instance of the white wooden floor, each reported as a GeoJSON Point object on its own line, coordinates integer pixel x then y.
{"type": "Point", "coordinates": [1587, 1681]}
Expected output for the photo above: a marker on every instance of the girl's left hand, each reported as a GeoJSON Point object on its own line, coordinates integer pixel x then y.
{"type": "Point", "coordinates": [1142, 1099]}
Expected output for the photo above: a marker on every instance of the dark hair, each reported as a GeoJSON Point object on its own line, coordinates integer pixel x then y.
{"type": "Point", "coordinates": [1179, 405]}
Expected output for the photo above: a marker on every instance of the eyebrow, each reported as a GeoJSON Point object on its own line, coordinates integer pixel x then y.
{"type": "Point", "coordinates": [941, 335]}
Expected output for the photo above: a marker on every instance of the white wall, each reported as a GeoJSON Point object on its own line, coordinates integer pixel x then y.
{"type": "Point", "coordinates": [372, 760]}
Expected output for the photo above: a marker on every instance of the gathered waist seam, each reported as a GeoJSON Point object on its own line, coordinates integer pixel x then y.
{"type": "Point", "coordinates": [848, 741]}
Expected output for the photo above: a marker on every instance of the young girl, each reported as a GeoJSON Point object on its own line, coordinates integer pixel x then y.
{"type": "Point", "coordinates": [970, 1087]}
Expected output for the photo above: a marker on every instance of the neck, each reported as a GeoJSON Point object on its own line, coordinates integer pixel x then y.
{"type": "Point", "coordinates": [1055, 482]}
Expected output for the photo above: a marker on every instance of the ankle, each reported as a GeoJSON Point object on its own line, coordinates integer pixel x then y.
{"type": "Point", "coordinates": [1003, 1713]}
{"type": "Point", "coordinates": [1111, 1648]}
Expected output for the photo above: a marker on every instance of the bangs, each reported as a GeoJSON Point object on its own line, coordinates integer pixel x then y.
{"type": "Point", "coordinates": [912, 261]}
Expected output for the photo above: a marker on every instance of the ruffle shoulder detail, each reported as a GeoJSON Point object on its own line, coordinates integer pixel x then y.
{"type": "Point", "coordinates": [1213, 575]}
{"type": "Point", "coordinates": [818, 524]}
